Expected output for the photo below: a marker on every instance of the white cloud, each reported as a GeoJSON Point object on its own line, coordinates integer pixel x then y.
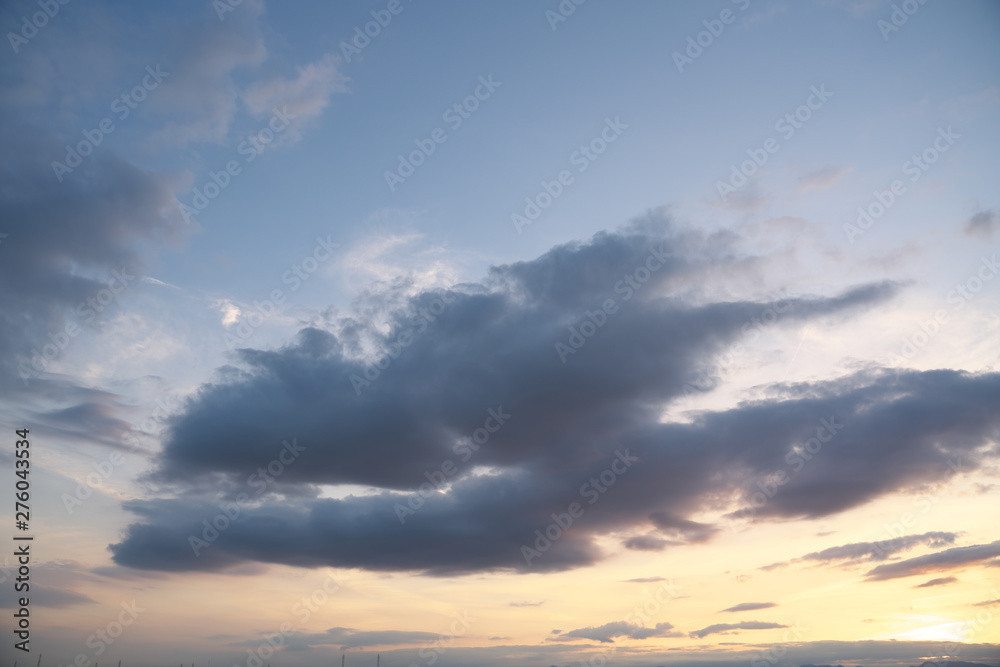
{"type": "Point", "coordinates": [305, 96]}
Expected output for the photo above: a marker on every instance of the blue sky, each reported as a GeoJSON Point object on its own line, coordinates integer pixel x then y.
{"type": "Point", "coordinates": [253, 265]}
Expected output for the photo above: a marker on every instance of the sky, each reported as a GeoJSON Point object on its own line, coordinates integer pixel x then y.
{"type": "Point", "coordinates": [546, 333]}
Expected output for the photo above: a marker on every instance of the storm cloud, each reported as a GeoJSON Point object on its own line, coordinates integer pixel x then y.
{"type": "Point", "coordinates": [489, 357]}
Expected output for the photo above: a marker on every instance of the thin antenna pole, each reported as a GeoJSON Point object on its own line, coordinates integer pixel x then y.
{"type": "Point", "coordinates": [39, 660]}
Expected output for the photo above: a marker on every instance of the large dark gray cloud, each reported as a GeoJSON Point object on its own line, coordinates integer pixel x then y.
{"type": "Point", "coordinates": [493, 348]}
{"type": "Point", "coordinates": [67, 235]}
{"type": "Point", "coordinates": [65, 243]}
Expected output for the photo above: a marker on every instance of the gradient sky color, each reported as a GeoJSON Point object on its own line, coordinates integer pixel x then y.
{"type": "Point", "coordinates": [224, 302]}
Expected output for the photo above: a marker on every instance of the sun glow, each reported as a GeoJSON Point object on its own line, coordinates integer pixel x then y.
{"type": "Point", "coordinates": [931, 628]}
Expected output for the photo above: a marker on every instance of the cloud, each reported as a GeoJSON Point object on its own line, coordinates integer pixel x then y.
{"type": "Point", "coordinates": [821, 180]}
{"type": "Point", "coordinates": [644, 580]}
{"type": "Point", "coordinates": [304, 97]}
{"type": "Point", "coordinates": [527, 604]}
{"type": "Point", "coordinates": [606, 633]}
{"type": "Point", "coordinates": [742, 625]}
{"type": "Point", "coordinates": [855, 552]}
{"type": "Point", "coordinates": [230, 312]}
{"type": "Point", "coordinates": [61, 581]}
{"type": "Point", "coordinates": [982, 224]}
{"type": "Point", "coordinates": [746, 200]}
{"type": "Point", "coordinates": [347, 638]}
{"type": "Point", "coordinates": [66, 243]}
{"type": "Point", "coordinates": [987, 603]}
{"type": "Point", "coordinates": [492, 346]}
{"type": "Point", "coordinates": [206, 57]}
{"type": "Point", "coordinates": [751, 606]}
{"type": "Point", "coordinates": [391, 264]}
{"type": "Point", "coordinates": [941, 581]}
{"type": "Point", "coordinates": [90, 421]}
{"type": "Point", "coordinates": [949, 559]}
{"type": "Point", "coordinates": [647, 543]}
{"type": "Point", "coordinates": [77, 243]}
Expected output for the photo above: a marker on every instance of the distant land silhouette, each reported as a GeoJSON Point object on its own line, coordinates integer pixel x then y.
{"type": "Point", "coordinates": [927, 663]}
